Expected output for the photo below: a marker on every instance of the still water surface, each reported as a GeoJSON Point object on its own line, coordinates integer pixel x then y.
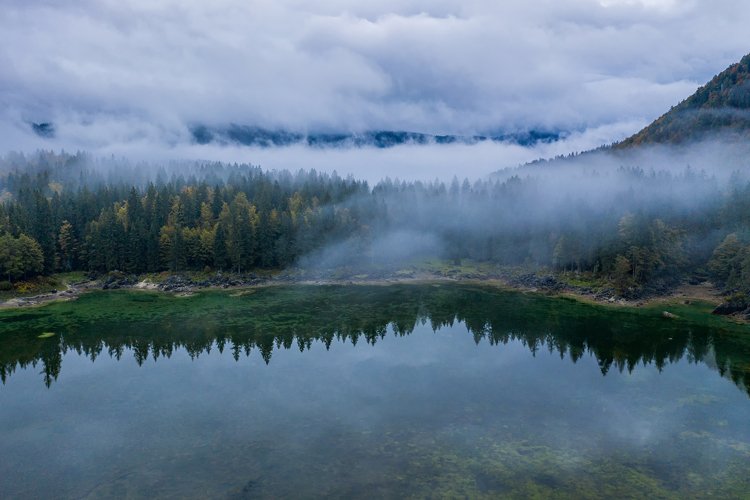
{"type": "Point", "coordinates": [399, 391]}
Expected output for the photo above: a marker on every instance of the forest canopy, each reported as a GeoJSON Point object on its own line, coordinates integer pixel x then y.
{"type": "Point", "coordinates": [637, 227]}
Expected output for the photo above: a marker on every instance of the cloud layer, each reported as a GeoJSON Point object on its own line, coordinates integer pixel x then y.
{"type": "Point", "coordinates": [114, 71]}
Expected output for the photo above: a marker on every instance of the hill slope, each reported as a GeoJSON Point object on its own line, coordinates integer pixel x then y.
{"type": "Point", "coordinates": [722, 106]}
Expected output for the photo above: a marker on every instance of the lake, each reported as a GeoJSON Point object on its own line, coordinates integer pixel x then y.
{"type": "Point", "coordinates": [421, 391]}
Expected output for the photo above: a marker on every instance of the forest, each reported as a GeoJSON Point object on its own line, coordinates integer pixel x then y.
{"type": "Point", "coordinates": [638, 227]}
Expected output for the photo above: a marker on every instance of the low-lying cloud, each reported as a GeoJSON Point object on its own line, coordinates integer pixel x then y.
{"type": "Point", "coordinates": [155, 144]}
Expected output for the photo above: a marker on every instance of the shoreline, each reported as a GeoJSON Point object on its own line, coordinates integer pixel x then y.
{"type": "Point", "coordinates": [180, 285]}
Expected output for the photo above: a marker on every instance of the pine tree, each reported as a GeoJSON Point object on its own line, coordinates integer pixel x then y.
{"type": "Point", "coordinates": [66, 240]}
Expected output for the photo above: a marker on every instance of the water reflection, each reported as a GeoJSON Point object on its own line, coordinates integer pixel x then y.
{"type": "Point", "coordinates": [155, 326]}
{"type": "Point", "coordinates": [360, 398]}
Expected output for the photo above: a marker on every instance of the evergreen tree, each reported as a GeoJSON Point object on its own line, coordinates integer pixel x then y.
{"type": "Point", "coordinates": [68, 245]}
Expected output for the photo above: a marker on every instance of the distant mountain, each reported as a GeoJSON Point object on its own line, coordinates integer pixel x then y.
{"type": "Point", "coordinates": [46, 130]}
{"type": "Point", "coordinates": [262, 137]}
{"type": "Point", "coordinates": [247, 135]}
{"type": "Point", "coordinates": [721, 107]}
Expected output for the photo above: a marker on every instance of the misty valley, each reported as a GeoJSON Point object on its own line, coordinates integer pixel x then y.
{"type": "Point", "coordinates": [193, 329]}
{"type": "Point", "coordinates": [386, 391]}
{"type": "Point", "coordinates": [389, 250]}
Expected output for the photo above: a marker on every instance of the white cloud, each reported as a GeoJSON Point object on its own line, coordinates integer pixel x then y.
{"type": "Point", "coordinates": [444, 66]}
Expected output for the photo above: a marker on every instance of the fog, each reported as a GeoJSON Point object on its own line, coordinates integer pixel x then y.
{"type": "Point", "coordinates": [518, 215]}
{"type": "Point", "coordinates": [408, 162]}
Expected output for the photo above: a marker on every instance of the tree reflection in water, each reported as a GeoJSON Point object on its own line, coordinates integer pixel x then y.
{"type": "Point", "coordinates": [155, 326]}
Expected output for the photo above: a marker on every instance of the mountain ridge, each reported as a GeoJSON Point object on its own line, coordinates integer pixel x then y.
{"type": "Point", "coordinates": [720, 107]}
{"type": "Point", "coordinates": [248, 135]}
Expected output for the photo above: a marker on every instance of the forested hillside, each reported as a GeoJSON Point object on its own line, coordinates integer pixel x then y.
{"type": "Point", "coordinates": [638, 228]}
{"type": "Point", "coordinates": [722, 106]}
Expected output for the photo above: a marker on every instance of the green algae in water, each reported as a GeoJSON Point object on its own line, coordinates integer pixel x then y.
{"type": "Point", "coordinates": [409, 391]}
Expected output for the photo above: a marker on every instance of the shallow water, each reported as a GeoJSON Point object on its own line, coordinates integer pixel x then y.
{"type": "Point", "coordinates": [398, 391]}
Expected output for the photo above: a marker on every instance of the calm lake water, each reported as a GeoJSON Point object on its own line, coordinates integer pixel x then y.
{"type": "Point", "coordinates": [364, 391]}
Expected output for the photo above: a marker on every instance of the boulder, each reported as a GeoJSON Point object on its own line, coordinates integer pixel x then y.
{"type": "Point", "coordinates": [731, 306]}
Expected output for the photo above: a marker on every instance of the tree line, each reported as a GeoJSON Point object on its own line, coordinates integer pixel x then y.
{"type": "Point", "coordinates": [245, 220]}
{"type": "Point", "coordinates": [61, 212]}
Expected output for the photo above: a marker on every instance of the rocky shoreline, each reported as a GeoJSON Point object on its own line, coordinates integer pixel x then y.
{"type": "Point", "coordinates": [705, 292]}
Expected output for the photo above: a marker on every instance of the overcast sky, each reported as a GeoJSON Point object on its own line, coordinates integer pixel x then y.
{"type": "Point", "coordinates": [122, 70]}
